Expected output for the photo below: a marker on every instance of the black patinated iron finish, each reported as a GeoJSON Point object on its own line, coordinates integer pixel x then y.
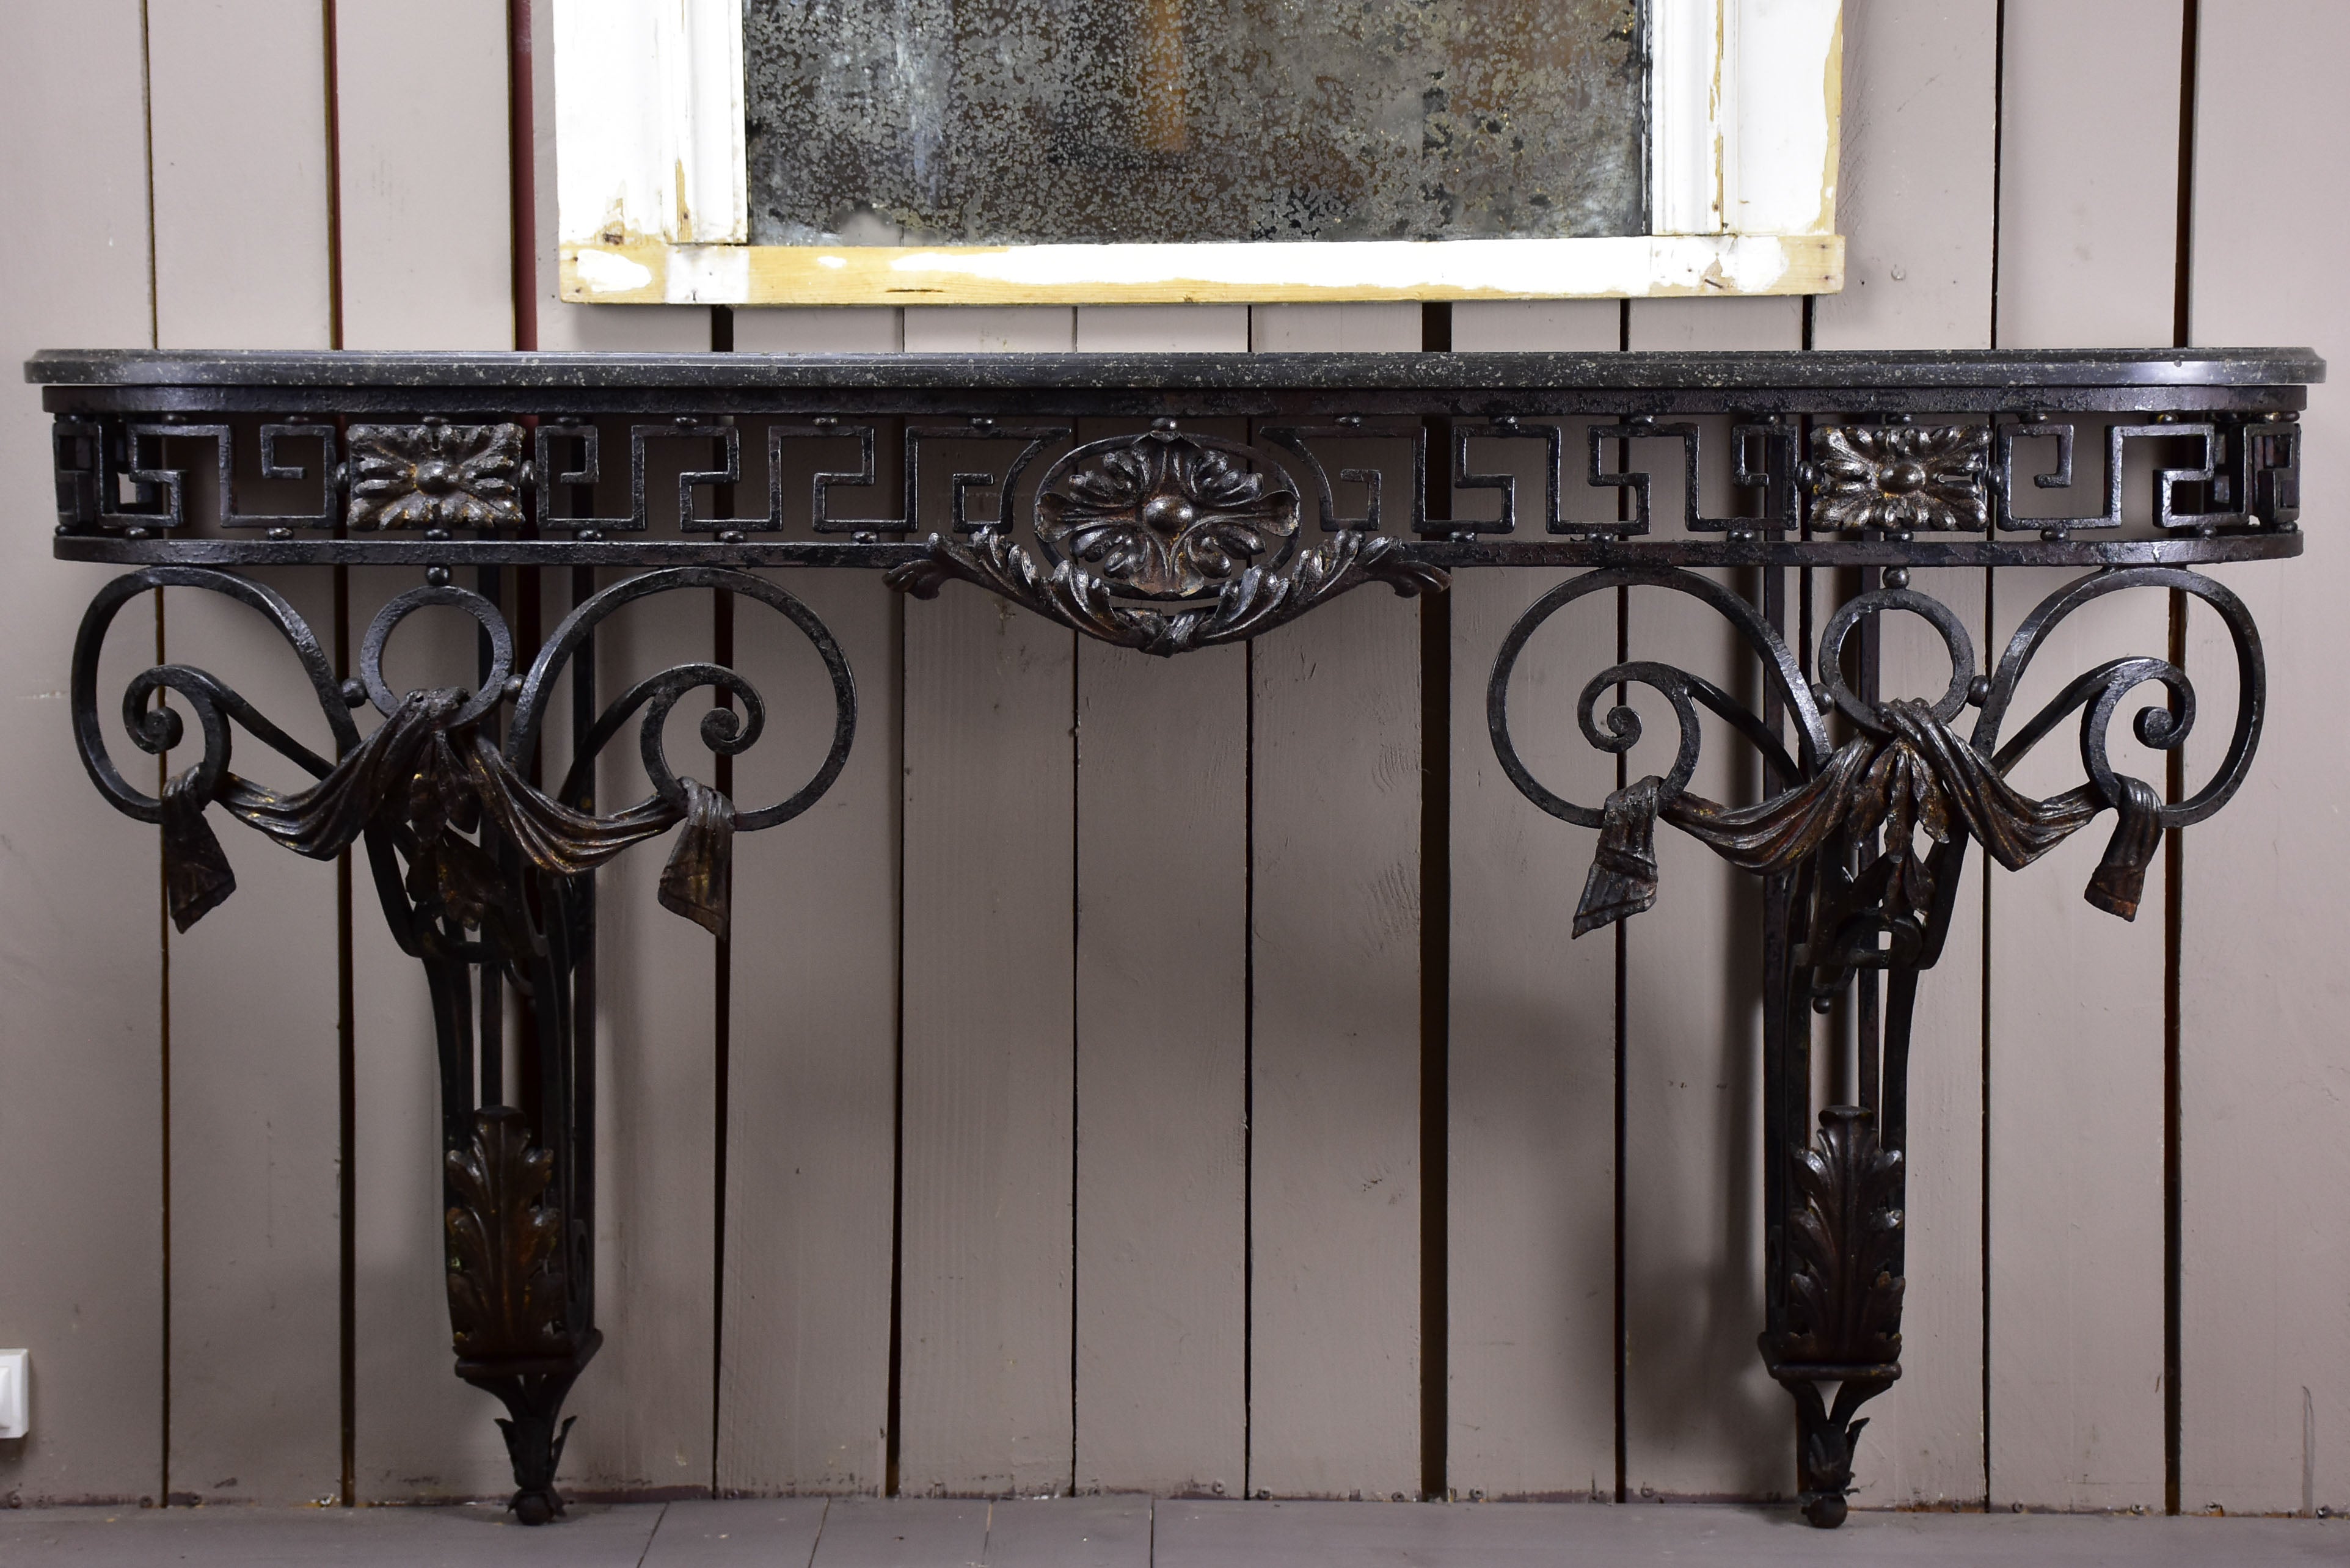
{"type": "Point", "coordinates": [1166, 503]}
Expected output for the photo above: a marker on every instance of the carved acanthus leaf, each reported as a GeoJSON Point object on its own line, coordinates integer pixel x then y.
{"type": "Point", "coordinates": [1844, 1294]}
{"type": "Point", "coordinates": [506, 1295]}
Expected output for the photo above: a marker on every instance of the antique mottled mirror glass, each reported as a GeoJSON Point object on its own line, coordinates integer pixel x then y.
{"type": "Point", "coordinates": [1039, 121]}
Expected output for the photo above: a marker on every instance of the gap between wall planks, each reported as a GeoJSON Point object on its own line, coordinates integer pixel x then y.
{"type": "Point", "coordinates": [2266, 1271]}
{"type": "Point", "coordinates": [2087, 256]}
{"type": "Point", "coordinates": [80, 1103]}
{"type": "Point", "coordinates": [1532, 1243]}
{"type": "Point", "coordinates": [805, 1295]}
{"type": "Point", "coordinates": [1334, 1178]}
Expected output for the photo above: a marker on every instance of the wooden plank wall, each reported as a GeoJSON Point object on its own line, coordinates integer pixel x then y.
{"type": "Point", "coordinates": [1066, 1115]}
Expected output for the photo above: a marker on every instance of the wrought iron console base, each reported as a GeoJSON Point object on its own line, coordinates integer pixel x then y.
{"type": "Point", "coordinates": [1163, 539]}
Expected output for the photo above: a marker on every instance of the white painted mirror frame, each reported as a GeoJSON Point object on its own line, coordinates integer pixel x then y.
{"type": "Point", "coordinates": [654, 199]}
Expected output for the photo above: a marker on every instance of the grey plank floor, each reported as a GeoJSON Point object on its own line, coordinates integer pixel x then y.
{"type": "Point", "coordinates": [1134, 1532]}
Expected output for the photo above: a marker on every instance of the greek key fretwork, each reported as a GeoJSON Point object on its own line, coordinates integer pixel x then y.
{"type": "Point", "coordinates": [2266, 475]}
{"type": "Point", "coordinates": [1035, 439]}
{"type": "Point", "coordinates": [1297, 438]}
{"type": "Point", "coordinates": [96, 461]}
{"type": "Point", "coordinates": [1509, 428]}
{"type": "Point", "coordinates": [1775, 476]}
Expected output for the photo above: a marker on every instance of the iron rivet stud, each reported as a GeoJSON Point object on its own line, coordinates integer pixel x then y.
{"type": "Point", "coordinates": [436, 532]}
{"type": "Point", "coordinates": [1162, 424]}
{"type": "Point", "coordinates": [1978, 692]}
{"type": "Point", "coordinates": [982, 422]}
{"type": "Point", "coordinates": [354, 692]}
{"type": "Point", "coordinates": [865, 536]}
{"type": "Point", "coordinates": [134, 533]}
{"type": "Point", "coordinates": [437, 575]}
{"type": "Point", "coordinates": [1822, 698]}
{"type": "Point", "coordinates": [1896, 576]}
{"type": "Point", "coordinates": [589, 534]}
{"type": "Point", "coordinates": [281, 532]}
{"type": "Point", "coordinates": [512, 689]}
{"type": "Point", "coordinates": [730, 536]}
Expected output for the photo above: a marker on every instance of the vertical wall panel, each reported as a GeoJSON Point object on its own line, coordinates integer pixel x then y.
{"type": "Point", "coordinates": [2087, 256]}
{"type": "Point", "coordinates": [240, 145]}
{"type": "Point", "coordinates": [1531, 1299]}
{"type": "Point", "coordinates": [986, 1240]}
{"type": "Point", "coordinates": [989, 329]}
{"type": "Point", "coordinates": [426, 250]}
{"type": "Point", "coordinates": [1162, 933]}
{"type": "Point", "coordinates": [79, 1063]}
{"type": "Point", "coordinates": [1162, 328]}
{"type": "Point", "coordinates": [1335, 1154]}
{"type": "Point", "coordinates": [241, 262]}
{"type": "Point", "coordinates": [1701, 1417]}
{"type": "Point", "coordinates": [2265, 1274]}
{"type": "Point", "coordinates": [812, 1076]}
{"type": "Point", "coordinates": [1371, 327]}
{"type": "Point", "coordinates": [1335, 1166]}
{"type": "Point", "coordinates": [646, 1415]}
{"type": "Point", "coordinates": [1920, 108]}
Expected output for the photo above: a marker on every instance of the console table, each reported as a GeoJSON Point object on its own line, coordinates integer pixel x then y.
{"type": "Point", "coordinates": [1161, 539]}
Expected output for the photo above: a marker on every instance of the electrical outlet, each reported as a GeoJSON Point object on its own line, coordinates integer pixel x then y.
{"type": "Point", "coordinates": [13, 1402]}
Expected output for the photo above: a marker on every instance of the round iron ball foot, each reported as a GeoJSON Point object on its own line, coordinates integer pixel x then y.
{"type": "Point", "coordinates": [1826, 1511]}
{"type": "Point", "coordinates": [535, 1507]}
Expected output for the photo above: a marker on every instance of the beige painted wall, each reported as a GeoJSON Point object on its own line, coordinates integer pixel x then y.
{"type": "Point", "coordinates": [1138, 1247]}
